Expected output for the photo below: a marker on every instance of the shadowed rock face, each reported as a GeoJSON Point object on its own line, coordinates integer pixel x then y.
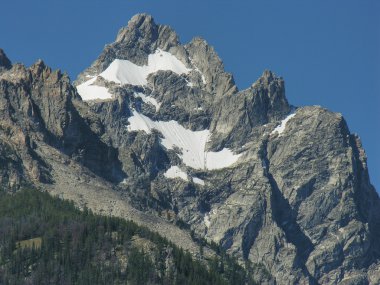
{"type": "Point", "coordinates": [38, 106]}
{"type": "Point", "coordinates": [298, 199]}
{"type": "Point", "coordinates": [5, 63]}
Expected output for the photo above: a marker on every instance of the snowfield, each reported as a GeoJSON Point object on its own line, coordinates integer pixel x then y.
{"type": "Point", "coordinates": [126, 72]}
{"type": "Point", "coordinates": [92, 92]}
{"type": "Point", "coordinates": [191, 143]}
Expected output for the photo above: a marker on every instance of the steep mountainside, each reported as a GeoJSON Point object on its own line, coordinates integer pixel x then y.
{"type": "Point", "coordinates": [158, 132]}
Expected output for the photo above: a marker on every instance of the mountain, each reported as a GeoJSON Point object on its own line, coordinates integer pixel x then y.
{"type": "Point", "coordinates": [157, 132]}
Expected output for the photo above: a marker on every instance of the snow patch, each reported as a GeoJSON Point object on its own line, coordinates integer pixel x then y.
{"type": "Point", "coordinates": [199, 181]}
{"type": "Point", "coordinates": [126, 72]}
{"type": "Point", "coordinates": [149, 100]}
{"type": "Point", "coordinates": [220, 159]}
{"type": "Point", "coordinates": [281, 127]}
{"type": "Point", "coordinates": [88, 91]}
{"type": "Point", "coordinates": [191, 143]}
{"type": "Point", "coordinates": [176, 172]}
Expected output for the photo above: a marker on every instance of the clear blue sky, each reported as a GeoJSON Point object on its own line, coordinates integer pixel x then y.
{"type": "Point", "coordinates": [327, 51]}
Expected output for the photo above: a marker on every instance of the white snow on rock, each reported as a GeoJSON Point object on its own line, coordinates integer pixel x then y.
{"type": "Point", "coordinates": [126, 72]}
{"type": "Point", "coordinates": [199, 181]}
{"type": "Point", "coordinates": [281, 127]}
{"type": "Point", "coordinates": [149, 100]}
{"type": "Point", "coordinates": [176, 172]}
{"type": "Point", "coordinates": [191, 143]}
{"type": "Point", "coordinates": [88, 91]}
{"type": "Point", "coordinates": [220, 159]}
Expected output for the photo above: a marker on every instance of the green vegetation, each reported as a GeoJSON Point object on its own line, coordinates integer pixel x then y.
{"type": "Point", "coordinates": [44, 240]}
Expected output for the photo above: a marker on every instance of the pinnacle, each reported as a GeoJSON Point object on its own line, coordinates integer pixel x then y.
{"type": "Point", "coordinates": [39, 65]}
{"type": "Point", "coordinates": [266, 78]}
{"type": "Point", "coordinates": [138, 19]}
{"type": "Point", "coordinates": [142, 22]}
{"type": "Point", "coordinates": [269, 75]}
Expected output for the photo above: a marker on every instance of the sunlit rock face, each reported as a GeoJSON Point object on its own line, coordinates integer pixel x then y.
{"type": "Point", "coordinates": [157, 131]}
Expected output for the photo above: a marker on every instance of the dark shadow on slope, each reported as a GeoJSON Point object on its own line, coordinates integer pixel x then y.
{"type": "Point", "coordinates": [251, 232]}
{"type": "Point", "coordinates": [367, 202]}
{"type": "Point", "coordinates": [83, 145]}
{"type": "Point", "coordinates": [285, 217]}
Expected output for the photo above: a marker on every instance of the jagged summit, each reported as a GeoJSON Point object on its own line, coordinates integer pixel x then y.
{"type": "Point", "coordinates": [137, 46]}
{"type": "Point", "coordinates": [140, 19]}
{"type": "Point", "coordinates": [160, 134]}
{"type": "Point", "coordinates": [141, 37]}
{"type": "Point", "coordinates": [37, 71]}
{"type": "Point", "coordinates": [144, 33]}
{"type": "Point", "coordinates": [266, 77]}
{"type": "Point", "coordinates": [280, 169]}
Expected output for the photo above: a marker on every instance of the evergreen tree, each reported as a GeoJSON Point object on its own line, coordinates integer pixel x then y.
{"type": "Point", "coordinates": [44, 240]}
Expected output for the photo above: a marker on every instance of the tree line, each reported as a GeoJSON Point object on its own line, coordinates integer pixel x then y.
{"type": "Point", "coordinates": [46, 240]}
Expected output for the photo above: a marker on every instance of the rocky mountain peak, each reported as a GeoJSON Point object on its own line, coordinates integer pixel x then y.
{"type": "Point", "coordinates": [141, 25]}
{"type": "Point", "coordinates": [135, 42]}
{"type": "Point", "coordinates": [267, 77]}
{"type": "Point", "coordinates": [271, 91]}
{"type": "Point", "coordinates": [39, 65]}
{"type": "Point", "coordinates": [41, 71]}
{"type": "Point", "coordinates": [143, 32]}
{"type": "Point", "coordinates": [39, 68]}
{"type": "Point", "coordinates": [165, 126]}
{"type": "Point", "coordinates": [5, 63]}
{"type": "Point", "coordinates": [204, 57]}
{"type": "Point", "coordinates": [37, 72]}
{"type": "Point", "coordinates": [140, 19]}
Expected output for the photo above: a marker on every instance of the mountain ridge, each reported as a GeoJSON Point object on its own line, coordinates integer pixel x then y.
{"type": "Point", "coordinates": [297, 199]}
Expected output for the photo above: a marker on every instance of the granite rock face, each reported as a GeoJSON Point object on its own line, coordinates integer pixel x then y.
{"type": "Point", "coordinates": [284, 187]}
{"type": "Point", "coordinates": [38, 105]}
